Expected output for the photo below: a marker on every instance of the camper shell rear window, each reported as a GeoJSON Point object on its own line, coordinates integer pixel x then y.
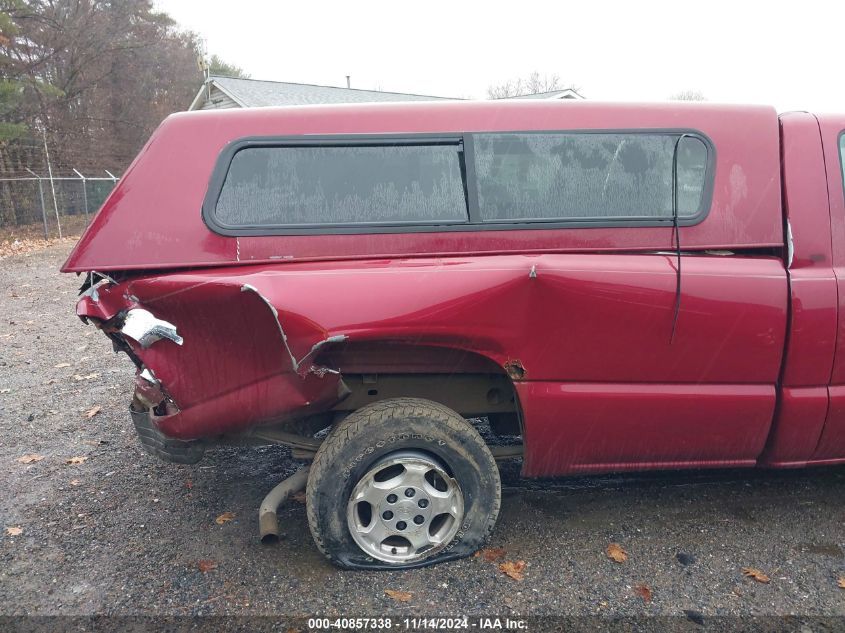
{"type": "Point", "coordinates": [477, 181]}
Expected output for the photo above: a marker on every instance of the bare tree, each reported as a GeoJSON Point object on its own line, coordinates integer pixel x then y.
{"type": "Point", "coordinates": [532, 84]}
{"type": "Point", "coordinates": [688, 95]}
{"type": "Point", "coordinates": [89, 78]}
{"type": "Point", "coordinates": [97, 76]}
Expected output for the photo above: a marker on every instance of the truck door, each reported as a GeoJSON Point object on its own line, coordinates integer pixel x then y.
{"type": "Point", "coordinates": [804, 393]}
{"type": "Point", "coordinates": [831, 444]}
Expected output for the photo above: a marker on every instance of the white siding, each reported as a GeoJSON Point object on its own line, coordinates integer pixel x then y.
{"type": "Point", "coordinates": [218, 101]}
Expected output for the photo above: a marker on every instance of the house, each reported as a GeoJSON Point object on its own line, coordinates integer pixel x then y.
{"type": "Point", "coordinates": [230, 92]}
{"type": "Point", "coordinates": [566, 93]}
{"type": "Point", "coordinates": [219, 92]}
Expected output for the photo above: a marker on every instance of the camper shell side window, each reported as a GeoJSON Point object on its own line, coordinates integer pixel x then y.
{"type": "Point", "coordinates": [469, 182]}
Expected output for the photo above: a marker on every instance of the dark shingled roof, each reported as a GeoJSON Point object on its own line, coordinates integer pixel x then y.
{"type": "Point", "coordinates": [251, 93]}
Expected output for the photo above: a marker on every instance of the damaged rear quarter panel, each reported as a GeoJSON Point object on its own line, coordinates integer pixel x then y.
{"type": "Point", "coordinates": [248, 336]}
{"type": "Point", "coordinates": [231, 369]}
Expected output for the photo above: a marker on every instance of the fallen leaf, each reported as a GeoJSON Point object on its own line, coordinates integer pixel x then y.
{"type": "Point", "coordinates": [756, 574]}
{"type": "Point", "coordinates": [76, 460]}
{"type": "Point", "coordinates": [79, 377]}
{"type": "Point", "coordinates": [75, 482]}
{"type": "Point", "coordinates": [14, 531]}
{"type": "Point", "coordinates": [206, 565]}
{"type": "Point", "coordinates": [224, 518]}
{"type": "Point", "coordinates": [90, 413]}
{"type": "Point", "coordinates": [299, 497]}
{"type": "Point", "coordinates": [28, 459]}
{"type": "Point", "coordinates": [841, 582]}
{"type": "Point", "coordinates": [22, 245]}
{"type": "Point", "coordinates": [513, 569]}
{"type": "Point", "coordinates": [399, 596]}
{"type": "Point", "coordinates": [61, 365]}
{"type": "Point", "coordinates": [492, 554]}
{"type": "Point", "coordinates": [189, 484]}
{"type": "Point", "coordinates": [616, 553]}
{"type": "Point", "coordinates": [644, 591]}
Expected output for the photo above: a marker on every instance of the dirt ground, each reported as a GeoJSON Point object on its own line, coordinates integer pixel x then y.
{"type": "Point", "coordinates": [121, 533]}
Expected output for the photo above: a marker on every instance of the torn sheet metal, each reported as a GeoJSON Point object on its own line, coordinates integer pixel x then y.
{"type": "Point", "coordinates": [299, 366]}
{"type": "Point", "coordinates": [148, 389]}
{"type": "Point", "coordinates": [147, 375]}
{"type": "Point", "coordinates": [93, 281]}
{"type": "Point", "coordinates": [320, 371]}
{"type": "Point", "coordinates": [143, 327]}
{"type": "Point", "coordinates": [250, 288]}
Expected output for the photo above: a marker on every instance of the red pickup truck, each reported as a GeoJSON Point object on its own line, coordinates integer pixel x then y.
{"type": "Point", "coordinates": [595, 287]}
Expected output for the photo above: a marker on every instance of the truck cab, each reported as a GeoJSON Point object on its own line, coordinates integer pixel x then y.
{"type": "Point", "coordinates": [808, 426]}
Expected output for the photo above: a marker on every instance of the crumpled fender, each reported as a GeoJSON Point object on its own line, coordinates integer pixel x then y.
{"type": "Point", "coordinates": [104, 301]}
{"type": "Point", "coordinates": [230, 362]}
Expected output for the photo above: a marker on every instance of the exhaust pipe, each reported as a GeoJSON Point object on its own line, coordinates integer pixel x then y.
{"type": "Point", "coordinates": [268, 522]}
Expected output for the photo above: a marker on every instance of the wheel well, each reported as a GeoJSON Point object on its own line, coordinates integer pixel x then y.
{"type": "Point", "coordinates": [471, 395]}
{"type": "Point", "coordinates": [466, 382]}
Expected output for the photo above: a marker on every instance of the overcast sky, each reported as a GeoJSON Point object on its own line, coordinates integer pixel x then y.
{"type": "Point", "coordinates": [787, 54]}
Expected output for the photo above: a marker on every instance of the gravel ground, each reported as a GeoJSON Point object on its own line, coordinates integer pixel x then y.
{"type": "Point", "coordinates": [123, 533]}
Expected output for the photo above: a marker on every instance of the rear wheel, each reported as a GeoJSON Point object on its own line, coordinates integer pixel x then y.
{"type": "Point", "coordinates": [402, 483]}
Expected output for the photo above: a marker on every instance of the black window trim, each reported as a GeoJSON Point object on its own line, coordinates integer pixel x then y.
{"type": "Point", "coordinates": [465, 144]}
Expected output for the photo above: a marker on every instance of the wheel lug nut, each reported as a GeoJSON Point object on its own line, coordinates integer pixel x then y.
{"type": "Point", "coordinates": [391, 498]}
{"type": "Point", "coordinates": [419, 519]}
{"type": "Point", "coordinates": [401, 525]}
{"type": "Point", "coordinates": [423, 503]}
{"type": "Point", "coordinates": [410, 492]}
{"type": "Point", "coordinates": [387, 515]}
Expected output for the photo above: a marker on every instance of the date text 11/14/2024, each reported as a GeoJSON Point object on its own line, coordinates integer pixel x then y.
{"type": "Point", "coordinates": [418, 623]}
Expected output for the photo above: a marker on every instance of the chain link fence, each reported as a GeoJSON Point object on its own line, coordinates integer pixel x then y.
{"type": "Point", "coordinates": [36, 205]}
